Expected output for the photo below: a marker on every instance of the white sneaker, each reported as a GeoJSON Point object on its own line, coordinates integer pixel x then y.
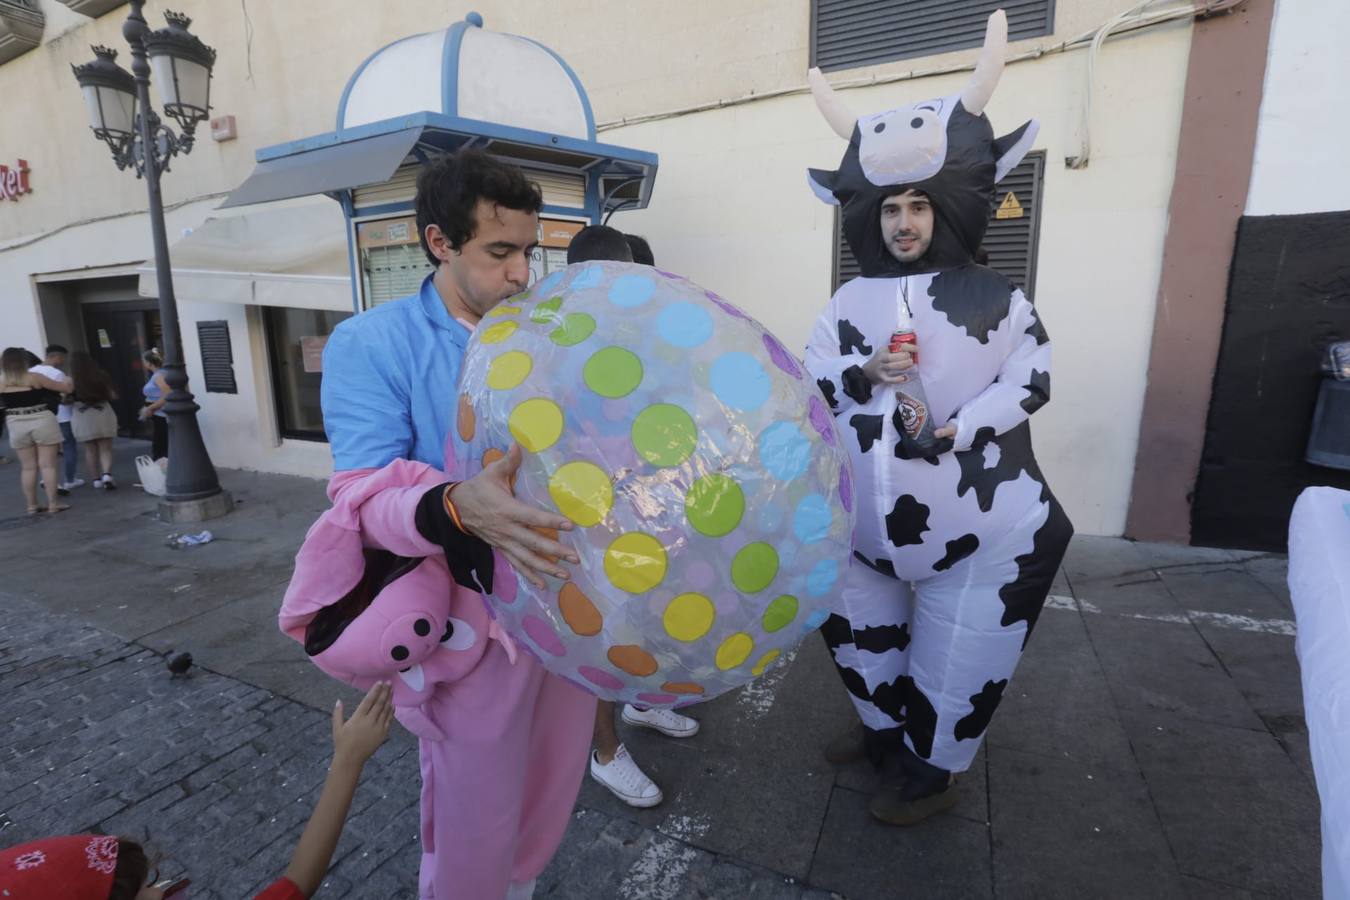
{"type": "Point", "coordinates": [98, 482]}
{"type": "Point", "coordinates": [68, 485]}
{"type": "Point", "coordinates": [666, 721]}
{"type": "Point", "coordinates": [108, 482]}
{"type": "Point", "coordinates": [625, 780]}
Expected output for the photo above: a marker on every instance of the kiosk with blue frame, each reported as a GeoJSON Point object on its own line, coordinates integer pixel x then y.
{"type": "Point", "coordinates": [435, 93]}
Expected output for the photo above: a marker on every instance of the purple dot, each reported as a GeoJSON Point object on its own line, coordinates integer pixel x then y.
{"type": "Point", "coordinates": [540, 632]}
{"type": "Point", "coordinates": [683, 703]}
{"type": "Point", "coordinates": [726, 307]}
{"type": "Point", "coordinates": [503, 579]}
{"type": "Point", "coordinates": [600, 678]}
{"type": "Point", "coordinates": [700, 574]}
{"type": "Point", "coordinates": [671, 275]}
{"type": "Point", "coordinates": [781, 358]}
{"type": "Point", "coordinates": [820, 418]}
{"type": "Point", "coordinates": [658, 699]}
{"type": "Point", "coordinates": [845, 489]}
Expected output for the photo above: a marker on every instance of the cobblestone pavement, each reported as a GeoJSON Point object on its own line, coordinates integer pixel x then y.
{"type": "Point", "coordinates": [1151, 745]}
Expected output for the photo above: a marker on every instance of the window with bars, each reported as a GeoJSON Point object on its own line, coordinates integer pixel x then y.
{"type": "Point", "coordinates": [1014, 227]}
{"type": "Point", "coordinates": [846, 34]}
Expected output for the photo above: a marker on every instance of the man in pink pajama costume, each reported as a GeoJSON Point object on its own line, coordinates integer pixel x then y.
{"type": "Point", "coordinates": [498, 788]}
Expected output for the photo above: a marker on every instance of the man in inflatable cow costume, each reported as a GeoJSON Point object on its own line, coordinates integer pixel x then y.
{"type": "Point", "coordinates": [958, 538]}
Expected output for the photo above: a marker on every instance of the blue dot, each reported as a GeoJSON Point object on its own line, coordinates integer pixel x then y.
{"type": "Point", "coordinates": [740, 381]}
{"type": "Point", "coordinates": [822, 577]}
{"type": "Point", "coordinates": [629, 291]}
{"type": "Point", "coordinates": [684, 325]}
{"type": "Point", "coordinates": [815, 620]}
{"type": "Point", "coordinates": [548, 283]}
{"type": "Point", "coordinates": [811, 522]}
{"type": "Point", "coordinates": [589, 277]}
{"type": "Point", "coordinates": [784, 451]}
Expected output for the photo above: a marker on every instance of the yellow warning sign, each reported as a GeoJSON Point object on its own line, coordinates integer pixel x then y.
{"type": "Point", "coordinates": [1009, 208]}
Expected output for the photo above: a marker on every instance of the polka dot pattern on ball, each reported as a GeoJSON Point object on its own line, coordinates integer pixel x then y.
{"type": "Point", "coordinates": [630, 291]}
{"type": "Point", "coordinates": [536, 424]}
{"type": "Point", "coordinates": [784, 450]}
{"type": "Point", "coordinates": [613, 372]}
{"type": "Point", "coordinates": [509, 370]}
{"type": "Point", "coordinates": [734, 650]}
{"type": "Point", "coordinates": [496, 333]}
{"type": "Point", "coordinates": [664, 435]}
{"type": "Point", "coordinates": [780, 613]}
{"type": "Point", "coordinates": [684, 325]}
{"type": "Point", "coordinates": [740, 381]}
{"type": "Point", "coordinates": [689, 617]}
{"type": "Point", "coordinates": [635, 562]}
{"type": "Point", "coordinates": [811, 522]}
{"type": "Point", "coordinates": [714, 505]}
{"type": "Point", "coordinates": [575, 328]}
{"type": "Point", "coordinates": [582, 492]}
{"type": "Point", "coordinates": [754, 567]}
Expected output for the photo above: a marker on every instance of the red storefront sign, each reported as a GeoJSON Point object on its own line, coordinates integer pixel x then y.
{"type": "Point", "coordinates": [14, 182]}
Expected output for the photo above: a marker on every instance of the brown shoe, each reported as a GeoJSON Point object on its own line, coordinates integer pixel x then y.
{"type": "Point", "coordinates": [847, 747]}
{"type": "Point", "coordinates": [894, 807]}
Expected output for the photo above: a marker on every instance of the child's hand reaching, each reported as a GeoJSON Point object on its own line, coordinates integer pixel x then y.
{"type": "Point", "coordinates": [358, 737]}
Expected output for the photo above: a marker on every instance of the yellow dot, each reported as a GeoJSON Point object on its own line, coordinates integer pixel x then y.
{"type": "Point", "coordinates": [508, 370]}
{"type": "Point", "coordinates": [734, 650]}
{"type": "Point", "coordinates": [536, 424]}
{"type": "Point", "coordinates": [582, 492]}
{"type": "Point", "coordinates": [635, 562]}
{"type": "Point", "coordinates": [689, 617]}
{"type": "Point", "coordinates": [495, 334]}
{"type": "Point", "coordinates": [764, 662]}
{"type": "Point", "coordinates": [503, 310]}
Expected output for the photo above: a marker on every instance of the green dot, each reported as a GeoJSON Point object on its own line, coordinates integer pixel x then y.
{"type": "Point", "coordinates": [780, 613]}
{"type": "Point", "coordinates": [546, 313]}
{"type": "Point", "coordinates": [613, 372]}
{"type": "Point", "coordinates": [754, 567]}
{"type": "Point", "coordinates": [575, 328]}
{"type": "Point", "coordinates": [665, 435]}
{"type": "Point", "coordinates": [714, 505]}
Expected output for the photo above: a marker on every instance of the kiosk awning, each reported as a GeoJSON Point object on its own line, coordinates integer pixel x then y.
{"type": "Point", "coordinates": [334, 167]}
{"type": "Point", "coordinates": [293, 254]}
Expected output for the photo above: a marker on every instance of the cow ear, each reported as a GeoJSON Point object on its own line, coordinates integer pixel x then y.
{"type": "Point", "coordinates": [1009, 149]}
{"type": "Point", "coordinates": [822, 185]}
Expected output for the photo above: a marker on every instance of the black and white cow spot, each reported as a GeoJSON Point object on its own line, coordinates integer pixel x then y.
{"type": "Point", "coordinates": [1024, 597]}
{"type": "Point", "coordinates": [890, 696]}
{"type": "Point", "coordinates": [851, 340]}
{"type": "Point", "coordinates": [868, 429]}
{"type": "Point", "coordinates": [1037, 330]}
{"type": "Point", "coordinates": [985, 702]}
{"type": "Point", "coordinates": [856, 384]}
{"type": "Point", "coordinates": [1038, 391]}
{"type": "Point", "coordinates": [880, 566]}
{"type": "Point", "coordinates": [836, 631]}
{"type": "Point", "coordinates": [957, 550]}
{"type": "Point", "coordinates": [974, 298]}
{"type": "Point", "coordinates": [906, 448]}
{"type": "Point", "coordinates": [920, 717]}
{"type": "Point", "coordinates": [882, 638]}
{"type": "Point", "coordinates": [1014, 458]}
{"type": "Point", "coordinates": [907, 521]}
{"type": "Point", "coordinates": [827, 390]}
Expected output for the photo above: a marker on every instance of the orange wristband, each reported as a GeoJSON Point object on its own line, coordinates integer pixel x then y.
{"type": "Point", "coordinates": [450, 507]}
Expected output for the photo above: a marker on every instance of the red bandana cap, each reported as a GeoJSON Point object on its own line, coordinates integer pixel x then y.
{"type": "Point", "coordinates": [77, 867]}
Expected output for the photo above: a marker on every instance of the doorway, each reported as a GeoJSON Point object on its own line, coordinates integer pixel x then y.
{"type": "Point", "coordinates": [116, 335]}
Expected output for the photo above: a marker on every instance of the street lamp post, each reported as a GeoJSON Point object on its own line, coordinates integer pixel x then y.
{"type": "Point", "coordinates": [120, 114]}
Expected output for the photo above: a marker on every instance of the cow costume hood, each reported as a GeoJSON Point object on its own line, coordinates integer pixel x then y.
{"type": "Point", "coordinates": [944, 147]}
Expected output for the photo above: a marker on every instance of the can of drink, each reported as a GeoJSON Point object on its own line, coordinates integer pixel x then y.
{"type": "Point", "coordinates": [902, 337]}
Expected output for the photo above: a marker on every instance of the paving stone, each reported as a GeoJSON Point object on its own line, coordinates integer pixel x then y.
{"type": "Point", "coordinates": [1235, 806]}
{"type": "Point", "coordinates": [1166, 667]}
{"type": "Point", "coordinates": [946, 856]}
{"type": "Point", "coordinates": [1226, 591]}
{"type": "Point", "coordinates": [1061, 829]}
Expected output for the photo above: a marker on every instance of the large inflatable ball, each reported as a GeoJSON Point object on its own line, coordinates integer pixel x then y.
{"type": "Point", "coordinates": [712, 500]}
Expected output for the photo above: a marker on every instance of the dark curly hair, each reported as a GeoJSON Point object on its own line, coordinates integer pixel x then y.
{"type": "Point", "coordinates": [133, 867]}
{"type": "Point", "coordinates": [449, 188]}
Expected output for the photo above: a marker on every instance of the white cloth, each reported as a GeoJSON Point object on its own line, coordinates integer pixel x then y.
{"type": "Point", "coordinates": [55, 374]}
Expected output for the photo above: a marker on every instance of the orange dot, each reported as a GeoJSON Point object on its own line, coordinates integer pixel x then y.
{"type": "Point", "coordinates": [466, 420]}
{"type": "Point", "coordinates": [578, 611]}
{"type": "Point", "coordinates": [632, 659]}
{"type": "Point", "coordinates": [491, 455]}
{"type": "Point", "coordinates": [549, 533]}
{"type": "Point", "coordinates": [682, 687]}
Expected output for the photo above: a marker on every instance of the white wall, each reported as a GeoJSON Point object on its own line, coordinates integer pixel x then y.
{"type": "Point", "coordinates": [732, 211]}
{"type": "Point", "coordinates": [1303, 133]}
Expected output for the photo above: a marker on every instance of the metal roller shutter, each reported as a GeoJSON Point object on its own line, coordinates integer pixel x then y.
{"type": "Point", "coordinates": [850, 33]}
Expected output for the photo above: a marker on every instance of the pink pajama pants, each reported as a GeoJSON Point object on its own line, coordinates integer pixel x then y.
{"type": "Point", "coordinates": [498, 793]}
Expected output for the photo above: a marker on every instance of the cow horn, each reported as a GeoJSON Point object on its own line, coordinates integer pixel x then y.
{"type": "Point", "coordinates": [989, 68]}
{"type": "Point", "coordinates": [830, 106]}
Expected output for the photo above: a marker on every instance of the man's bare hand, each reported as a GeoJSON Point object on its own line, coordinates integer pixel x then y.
{"type": "Point", "coordinates": [946, 431]}
{"type": "Point", "coordinates": [489, 510]}
{"type": "Point", "coordinates": [886, 367]}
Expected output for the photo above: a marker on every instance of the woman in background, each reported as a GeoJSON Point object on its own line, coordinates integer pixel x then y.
{"type": "Point", "coordinates": [93, 419]}
{"type": "Point", "coordinates": [33, 433]}
{"type": "Point", "coordinates": [156, 391]}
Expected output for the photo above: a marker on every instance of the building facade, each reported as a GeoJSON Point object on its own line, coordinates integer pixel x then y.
{"type": "Point", "coordinates": [717, 92]}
